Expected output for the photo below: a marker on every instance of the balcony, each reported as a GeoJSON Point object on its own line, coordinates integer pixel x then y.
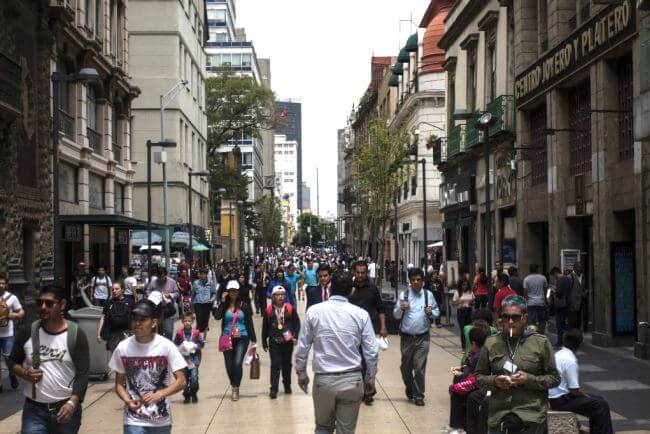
{"type": "Point", "coordinates": [66, 124]}
{"type": "Point", "coordinates": [440, 151]}
{"type": "Point", "coordinates": [94, 140]}
{"type": "Point", "coordinates": [503, 109]}
{"type": "Point", "coordinates": [456, 141]}
{"type": "Point", "coordinates": [9, 85]}
{"type": "Point", "coordinates": [235, 44]}
{"type": "Point", "coordinates": [63, 9]}
{"type": "Point", "coordinates": [473, 136]}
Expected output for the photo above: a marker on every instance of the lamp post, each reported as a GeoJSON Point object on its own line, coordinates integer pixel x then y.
{"type": "Point", "coordinates": [484, 120]}
{"type": "Point", "coordinates": [189, 214]}
{"type": "Point", "coordinates": [86, 75]}
{"type": "Point", "coordinates": [424, 211]}
{"type": "Point", "coordinates": [165, 100]}
{"type": "Point", "coordinates": [397, 271]}
{"type": "Point", "coordinates": [219, 196]}
{"type": "Point", "coordinates": [150, 144]}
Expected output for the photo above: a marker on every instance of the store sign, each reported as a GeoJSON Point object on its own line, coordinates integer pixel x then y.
{"type": "Point", "coordinates": [73, 233]}
{"type": "Point", "coordinates": [122, 237]}
{"type": "Point", "coordinates": [601, 33]}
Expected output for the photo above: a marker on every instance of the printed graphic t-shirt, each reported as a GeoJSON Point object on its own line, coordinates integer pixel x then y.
{"type": "Point", "coordinates": [148, 368]}
{"type": "Point", "coordinates": [14, 306]}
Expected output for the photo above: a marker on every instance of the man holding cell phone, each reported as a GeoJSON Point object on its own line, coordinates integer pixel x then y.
{"type": "Point", "coordinates": [518, 367]}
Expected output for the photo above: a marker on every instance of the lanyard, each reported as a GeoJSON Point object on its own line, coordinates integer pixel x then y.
{"type": "Point", "coordinates": [510, 352]}
{"type": "Point", "coordinates": [279, 314]}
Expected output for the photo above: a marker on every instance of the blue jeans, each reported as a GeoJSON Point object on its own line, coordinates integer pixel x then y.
{"type": "Point", "coordinates": [38, 420]}
{"type": "Point", "coordinates": [6, 345]}
{"type": "Point", "coordinates": [135, 429]}
{"type": "Point", "coordinates": [192, 381]}
{"type": "Point", "coordinates": [235, 359]}
{"type": "Point", "coordinates": [537, 316]}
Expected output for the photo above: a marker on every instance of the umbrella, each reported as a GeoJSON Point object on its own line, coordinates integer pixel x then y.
{"type": "Point", "coordinates": [140, 238]}
{"type": "Point", "coordinates": [200, 248]}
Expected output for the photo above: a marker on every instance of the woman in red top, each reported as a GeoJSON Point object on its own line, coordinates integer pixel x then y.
{"type": "Point", "coordinates": [481, 289]}
{"type": "Point", "coordinates": [185, 300]}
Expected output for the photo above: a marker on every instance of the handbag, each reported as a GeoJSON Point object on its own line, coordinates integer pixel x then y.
{"type": "Point", "coordinates": [255, 367]}
{"type": "Point", "coordinates": [512, 424]}
{"type": "Point", "coordinates": [225, 341]}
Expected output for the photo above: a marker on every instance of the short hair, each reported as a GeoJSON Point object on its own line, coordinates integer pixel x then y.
{"type": "Point", "coordinates": [3, 276]}
{"type": "Point", "coordinates": [555, 270]}
{"type": "Point", "coordinates": [341, 283]}
{"type": "Point", "coordinates": [573, 339]}
{"type": "Point", "coordinates": [414, 272]}
{"type": "Point", "coordinates": [503, 278]}
{"type": "Point", "coordinates": [101, 267]}
{"type": "Point", "coordinates": [533, 268]}
{"type": "Point", "coordinates": [188, 315]}
{"type": "Point", "coordinates": [162, 271]}
{"type": "Point", "coordinates": [203, 270]}
{"type": "Point", "coordinates": [360, 263]}
{"type": "Point", "coordinates": [130, 271]}
{"type": "Point", "coordinates": [326, 268]}
{"type": "Point", "coordinates": [482, 315]}
{"type": "Point", "coordinates": [478, 336]}
{"type": "Point", "coordinates": [512, 270]}
{"type": "Point", "coordinates": [515, 301]}
{"type": "Point", "coordinates": [56, 290]}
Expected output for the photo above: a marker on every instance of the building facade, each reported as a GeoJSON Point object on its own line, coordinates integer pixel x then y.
{"type": "Point", "coordinates": [166, 51]}
{"type": "Point", "coordinates": [306, 197]}
{"type": "Point", "coordinates": [479, 55]}
{"type": "Point", "coordinates": [290, 114]}
{"type": "Point", "coordinates": [286, 175]}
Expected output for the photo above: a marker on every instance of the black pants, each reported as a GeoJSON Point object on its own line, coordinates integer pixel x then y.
{"type": "Point", "coordinates": [593, 407]}
{"type": "Point", "coordinates": [260, 303]}
{"type": "Point", "coordinates": [280, 361]}
{"type": "Point", "coordinates": [561, 324]}
{"type": "Point", "coordinates": [481, 302]}
{"type": "Point", "coordinates": [457, 411]}
{"type": "Point", "coordinates": [477, 413]}
{"type": "Point", "coordinates": [464, 317]}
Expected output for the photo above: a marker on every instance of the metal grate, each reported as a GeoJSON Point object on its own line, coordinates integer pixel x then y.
{"type": "Point", "coordinates": [94, 140]}
{"type": "Point", "coordinates": [538, 158]}
{"type": "Point", "coordinates": [66, 124]}
{"type": "Point", "coordinates": [625, 116]}
{"type": "Point", "coordinates": [580, 126]}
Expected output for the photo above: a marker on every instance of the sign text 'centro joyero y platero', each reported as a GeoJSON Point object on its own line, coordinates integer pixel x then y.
{"type": "Point", "coordinates": [601, 33]}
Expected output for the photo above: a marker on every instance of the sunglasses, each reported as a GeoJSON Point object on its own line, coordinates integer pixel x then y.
{"type": "Point", "coordinates": [515, 317]}
{"type": "Point", "coordinates": [47, 303]}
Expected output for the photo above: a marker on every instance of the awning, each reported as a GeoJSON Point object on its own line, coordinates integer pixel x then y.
{"type": "Point", "coordinates": [145, 248]}
{"type": "Point", "coordinates": [117, 221]}
{"type": "Point", "coordinates": [393, 81]}
{"type": "Point", "coordinates": [403, 56]}
{"type": "Point", "coordinates": [183, 239]}
{"type": "Point", "coordinates": [199, 248]}
{"type": "Point", "coordinates": [412, 43]}
{"type": "Point", "coordinates": [398, 69]}
{"type": "Point", "coordinates": [140, 238]}
{"type": "Point", "coordinates": [436, 244]}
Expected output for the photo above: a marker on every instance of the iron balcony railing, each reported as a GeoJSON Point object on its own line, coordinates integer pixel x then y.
{"type": "Point", "coordinates": [66, 124]}
{"type": "Point", "coordinates": [456, 141]}
{"type": "Point", "coordinates": [473, 136]}
{"type": "Point", "coordinates": [9, 83]}
{"type": "Point", "coordinates": [66, 5]}
{"type": "Point", "coordinates": [503, 109]}
{"type": "Point", "coordinates": [117, 153]}
{"type": "Point", "coordinates": [94, 140]}
{"type": "Point", "coordinates": [440, 151]}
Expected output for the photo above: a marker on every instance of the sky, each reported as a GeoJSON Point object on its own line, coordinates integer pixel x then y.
{"type": "Point", "coordinates": [320, 53]}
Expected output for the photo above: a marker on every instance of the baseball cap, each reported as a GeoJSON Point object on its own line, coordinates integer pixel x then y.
{"type": "Point", "coordinates": [277, 289]}
{"type": "Point", "coordinates": [145, 309]}
{"type": "Point", "coordinates": [233, 284]}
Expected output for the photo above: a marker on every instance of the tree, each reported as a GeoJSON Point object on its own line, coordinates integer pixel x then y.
{"type": "Point", "coordinates": [380, 168]}
{"type": "Point", "coordinates": [269, 221]}
{"type": "Point", "coordinates": [321, 230]}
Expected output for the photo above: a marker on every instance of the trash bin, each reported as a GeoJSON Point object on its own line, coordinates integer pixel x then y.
{"type": "Point", "coordinates": [389, 304]}
{"type": "Point", "coordinates": [88, 319]}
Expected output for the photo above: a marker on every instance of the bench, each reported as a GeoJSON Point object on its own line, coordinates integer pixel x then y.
{"type": "Point", "coordinates": [562, 422]}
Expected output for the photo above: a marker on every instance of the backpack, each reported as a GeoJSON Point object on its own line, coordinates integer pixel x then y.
{"type": "Point", "coordinates": [4, 310]}
{"type": "Point", "coordinates": [426, 304]}
{"type": "Point", "coordinates": [287, 306]}
{"type": "Point", "coordinates": [119, 314]}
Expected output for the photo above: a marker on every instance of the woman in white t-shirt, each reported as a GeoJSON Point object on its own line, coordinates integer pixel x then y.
{"type": "Point", "coordinates": [148, 370]}
{"type": "Point", "coordinates": [130, 285]}
{"type": "Point", "coordinates": [100, 285]}
{"type": "Point", "coordinates": [463, 300]}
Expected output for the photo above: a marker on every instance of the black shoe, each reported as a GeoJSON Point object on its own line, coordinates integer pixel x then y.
{"type": "Point", "coordinates": [419, 402]}
{"type": "Point", "coordinates": [186, 400]}
{"type": "Point", "coordinates": [195, 399]}
{"type": "Point", "coordinates": [273, 394]}
{"type": "Point", "coordinates": [14, 382]}
{"type": "Point", "coordinates": [287, 390]}
{"type": "Point", "coordinates": [368, 400]}
{"type": "Point", "coordinates": [409, 396]}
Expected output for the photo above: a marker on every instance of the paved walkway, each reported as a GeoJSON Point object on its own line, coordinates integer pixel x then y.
{"type": "Point", "coordinates": [256, 413]}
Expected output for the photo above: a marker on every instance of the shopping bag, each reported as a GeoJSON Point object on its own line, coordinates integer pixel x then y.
{"type": "Point", "coordinates": [255, 367]}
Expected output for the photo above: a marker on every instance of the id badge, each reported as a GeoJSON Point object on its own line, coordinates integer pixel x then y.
{"type": "Point", "coordinates": [510, 367]}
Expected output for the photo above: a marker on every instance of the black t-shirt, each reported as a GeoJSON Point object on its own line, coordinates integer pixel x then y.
{"type": "Point", "coordinates": [118, 314]}
{"type": "Point", "coordinates": [368, 298]}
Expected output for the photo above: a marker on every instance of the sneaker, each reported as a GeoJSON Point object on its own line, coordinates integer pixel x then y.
{"type": "Point", "coordinates": [195, 399]}
{"type": "Point", "coordinates": [235, 394]}
{"type": "Point", "coordinates": [419, 402]}
{"type": "Point", "coordinates": [14, 382]}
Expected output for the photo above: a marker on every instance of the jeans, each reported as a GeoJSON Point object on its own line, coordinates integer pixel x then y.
{"type": "Point", "coordinates": [168, 328]}
{"type": "Point", "coordinates": [481, 302]}
{"type": "Point", "coordinates": [38, 420]}
{"type": "Point", "coordinates": [135, 429]}
{"type": "Point", "coordinates": [464, 317]}
{"type": "Point", "coordinates": [280, 361]}
{"type": "Point", "coordinates": [593, 407]}
{"type": "Point", "coordinates": [560, 324]}
{"type": "Point", "coordinates": [537, 316]}
{"type": "Point", "coordinates": [234, 360]}
{"type": "Point", "coordinates": [192, 382]}
{"type": "Point", "coordinates": [101, 302]}
{"type": "Point", "coordinates": [6, 346]}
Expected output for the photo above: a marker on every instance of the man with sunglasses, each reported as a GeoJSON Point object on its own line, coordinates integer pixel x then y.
{"type": "Point", "coordinates": [518, 367]}
{"type": "Point", "coordinates": [56, 377]}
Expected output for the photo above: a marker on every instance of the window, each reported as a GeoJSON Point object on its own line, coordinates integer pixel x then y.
{"type": "Point", "coordinates": [471, 80]}
{"type": "Point", "coordinates": [118, 32]}
{"type": "Point", "coordinates": [580, 124]}
{"type": "Point", "coordinates": [542, 25]}
{"type": "Point", "coordinates": [116, 134]}
{"type": "Point", "coordinates": [113, 23]}
{"type": "Point", "coordinates": [247, 160]}
{"type": "Point", "coordinates": [87, 13]}
{"type": "Point", "coordinates": [246, 60]}
{"type": "Point", "coordinates": [625, 117]}
{"type": "Point", "coordinates": [216, 15]}
{"type": "Point", "coordinates": [451, 97]}
{"type": "Point", "coordinates": [68, 183]}
{"type": "Point", "coordinates": [119, 198]}
{"type": "Point", "coordinates": [96, 191]}
{"type": "Point", "coordinates": [414, 185]}
{"type": "Point", "coordinates": [538, 157]}
{"type": "Point", "coordinates": [93, 115]}
{"type": "Point", "coordinates": [406, 189]}
{"type": "Point", "coordinates": [236, 60]}
{"type": "Point", "coordinates": [584, 11]}
{"type": "Point", "coordinates": [491, 66]}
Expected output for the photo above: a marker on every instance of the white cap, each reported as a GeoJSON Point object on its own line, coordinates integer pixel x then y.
{"type": "Point", "coordinates": [409, 266]}
{"type": "Point", "coordinates": [233, 284]}
{"type": "Point", "coordinates": [278, 289]}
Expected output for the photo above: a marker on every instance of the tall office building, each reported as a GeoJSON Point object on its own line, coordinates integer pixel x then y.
{"type": "Point", "coordinates": [286, 170]}
{"type": "Point", "coordinates": [290, 111]}
{"type": "Point", "coordinates": [306, 197]}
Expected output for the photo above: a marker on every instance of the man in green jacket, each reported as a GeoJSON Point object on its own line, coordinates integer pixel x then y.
{"type": "Point", "coordinates": [518, 367]}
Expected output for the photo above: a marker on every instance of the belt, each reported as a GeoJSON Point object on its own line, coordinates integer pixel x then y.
{"type": "Point", "coordinates": [408, 335]}
{"type": "Point", "coordinates": [339, 373]}
{"type": "Point", "coordinates": [49, 406]}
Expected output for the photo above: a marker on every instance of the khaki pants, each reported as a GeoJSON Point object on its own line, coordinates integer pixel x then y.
{"type": "Point", "coordinates": [415, 350]}
{"type": "Point", "coordinates": [336, 402]}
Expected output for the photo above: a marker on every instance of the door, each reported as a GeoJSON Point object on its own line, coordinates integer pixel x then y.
{"type": "Point", "coordinates": [623, 272]}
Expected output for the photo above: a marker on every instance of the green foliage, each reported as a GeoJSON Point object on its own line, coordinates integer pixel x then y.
{"type": "Point", "coordinates": [269, 219]}
{"type": "Point", "coordinates": [231, 178]}
{"type": "Point", "coordinates": [322, 230]}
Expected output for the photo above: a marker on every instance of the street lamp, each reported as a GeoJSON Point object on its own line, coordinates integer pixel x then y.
{"type": "Point", "coordinates": [150, 144]}
{"type": "Point", "coordinates": [85, 75]}
{"type": "Point", "coordinates": [484, 120]}
{"type": "Point", "coordinates": [165, 100]}
{"type": "Point", "coordinates": [218, 195]}
{"type": "Point", "coordinates": [189, 201]}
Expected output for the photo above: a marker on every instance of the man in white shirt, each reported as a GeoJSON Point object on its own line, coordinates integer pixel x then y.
{"type": "Point", "coordinates": [339, 332]}
{"type": "Point", "coordinates": [10, 309]}
{"type": "Point", "coordinates": [569, 397]}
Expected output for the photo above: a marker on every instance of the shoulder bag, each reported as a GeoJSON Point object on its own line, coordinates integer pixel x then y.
{"type": "Point", "coordinates": [225, 341]}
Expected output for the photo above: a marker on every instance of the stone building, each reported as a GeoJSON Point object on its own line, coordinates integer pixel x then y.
{"type": "Point", "coordinates": [38, 39]}
{"type": "Point", "coordinates": [583, 186]}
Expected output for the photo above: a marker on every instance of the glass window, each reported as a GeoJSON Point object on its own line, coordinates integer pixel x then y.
{"type": "Point", "coordinates": [221, 37]}
{"type": "Point", "coordinates": [67, 183]}
{"type": "Point", "coordinates": [225, 60]}
{"type": "Point", "coordinates": [246, 60]}
{"type": "Point", "coordinates": [236, 60]}
{"type": "Point", "coordinates": [247, 158]}
{"type": "Point", "coordinates": [91, 109]}
{"type": "Point", "coordinates": [119, 198]}
{"type": "Point", "coordinates": [96, 192]}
